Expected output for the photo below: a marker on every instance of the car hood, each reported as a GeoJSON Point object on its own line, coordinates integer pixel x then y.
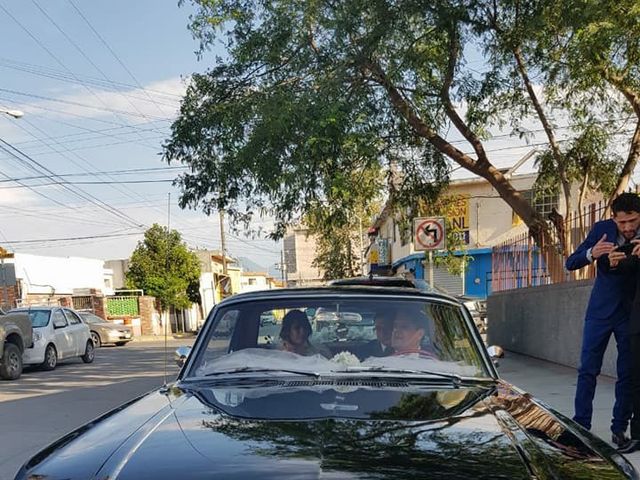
{"type": "Point", "coordinates": [324, 431]}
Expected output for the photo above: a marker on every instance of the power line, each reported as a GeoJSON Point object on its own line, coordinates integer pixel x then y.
{"type": "Point", "coordinates": [98, 133]}
{"type": "Point", "coordinates": [40, 194]}
{"type": "Point", "coordinates": [104, 42]}
{"type": "Point", "coordinates": [100, 182]}
{"type": "Point", "coordinates": [60, 75]}
{"type": "Point", "coordinates": [52, 55]}
{"type": "Point", "coordinates": [85, 56]}
{"type": "Point", "coordinates": [79, 104]}
{"type": "Point", "coordinates": [97, 145]}
{"type": "Point", "coordinates": [65, 239]}
{"type": "Point", "coordinates": [252, 245]}
{"type": "Point", "coordinates": [29, 162]}
{"type": "Point", "coordinates": [117, 185]}
{"type": "Point", "coordinates": [107, 172]}
{"type": "Point", "coordinates": [28, 106]}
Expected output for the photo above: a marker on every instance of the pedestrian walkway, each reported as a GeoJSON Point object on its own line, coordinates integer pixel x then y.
{"type": "Point", "coordinates": [556, 384]}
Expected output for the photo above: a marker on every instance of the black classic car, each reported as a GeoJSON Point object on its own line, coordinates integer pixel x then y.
{"type": "Point", "coordinates": [258, 399]}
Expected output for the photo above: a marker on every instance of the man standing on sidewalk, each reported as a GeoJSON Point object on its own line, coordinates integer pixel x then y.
{"type": "Point", "coordinates": [607, 313]}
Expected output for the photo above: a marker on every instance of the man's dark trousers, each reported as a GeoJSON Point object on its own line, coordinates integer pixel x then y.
{"type": "Point", "coordinates": [634, 341]}
{"type": "Point", "coordinates": [595, 339]}
{"type": "Point", "coordinates": [607, 313]}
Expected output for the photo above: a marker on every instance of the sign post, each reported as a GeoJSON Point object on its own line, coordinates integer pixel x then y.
{"type": "Point", "coordinates": [429, 234]}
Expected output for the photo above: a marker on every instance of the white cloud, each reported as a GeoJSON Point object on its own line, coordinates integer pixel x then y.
{"type": "Point", "coordinates": [158, 100]}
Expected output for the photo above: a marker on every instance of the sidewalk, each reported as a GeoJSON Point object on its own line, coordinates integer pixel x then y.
{"type": "Point", "coordinates": [555, 385]}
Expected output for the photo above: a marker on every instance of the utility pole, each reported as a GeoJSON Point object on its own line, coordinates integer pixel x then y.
{"type": "Point", "coordinates": [222, 241]}
{"type": "Point", "coordinates": [361, 246]}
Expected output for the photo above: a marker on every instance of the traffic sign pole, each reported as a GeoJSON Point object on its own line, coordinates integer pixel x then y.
{"type": "Point", "coordinates": [431, 268]}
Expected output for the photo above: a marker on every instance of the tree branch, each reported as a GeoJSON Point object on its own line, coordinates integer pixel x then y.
{"type": "Point", "coordinates": [629, 166]}
{"type": "Point", "coordinates": [555, 147]}
{"type": "Point", "coordinates": [463, 128]}
{"type": "Point", "coordinates": [483, 169]}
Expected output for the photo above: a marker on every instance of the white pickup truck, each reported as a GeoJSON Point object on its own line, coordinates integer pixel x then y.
{"type": "Point", "coordinates": [16, 334]}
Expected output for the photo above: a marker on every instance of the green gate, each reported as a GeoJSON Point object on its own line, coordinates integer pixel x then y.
{"type": "Point", "coordinates": [123, 306]}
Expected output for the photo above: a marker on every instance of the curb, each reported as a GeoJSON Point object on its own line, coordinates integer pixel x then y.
{"type": "Point", "coordinates": [160, 338]}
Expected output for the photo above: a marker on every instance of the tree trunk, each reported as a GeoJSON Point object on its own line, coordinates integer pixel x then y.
{"type": "Point", "coordinates": [583, 273]}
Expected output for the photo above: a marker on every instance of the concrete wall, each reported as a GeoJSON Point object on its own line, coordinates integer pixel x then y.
{"type": "Point", "coordinates": [544, 322]}
{"type": "Point", "coordinates": [58, 275]}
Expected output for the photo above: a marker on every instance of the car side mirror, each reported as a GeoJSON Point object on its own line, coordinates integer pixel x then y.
{"type": "Point", "coordinates": [495, 352]}
{"type": "Point", "coordinates": [181, 354]}
{"type": "Point", "coordinates": [59, 324]}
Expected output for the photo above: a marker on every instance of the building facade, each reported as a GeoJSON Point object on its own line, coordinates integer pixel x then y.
{"type": "Point", "coordinates": [253, 281]}
{"type": "Point", "coordinates": [37, 279]}
{"type": "Point", "coordinates": [299, 253]}
{"type": "Point", "coordinates": [482, 219]}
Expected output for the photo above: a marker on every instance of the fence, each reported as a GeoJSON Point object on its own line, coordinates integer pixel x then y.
{"type": "Point", "coordinates": [519, 262]}
{"type": "Point", "coordinates": [123, 306]}
{"type": "Point", "coordinates": [83, 303]}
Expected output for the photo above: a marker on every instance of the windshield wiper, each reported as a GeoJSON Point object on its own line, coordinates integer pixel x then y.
{"type": "Point", "coordinates": [261, 370]}
{"type": "Point", "coordinates": [455, 379]}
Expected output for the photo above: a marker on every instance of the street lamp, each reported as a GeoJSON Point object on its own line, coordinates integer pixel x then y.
{"type": "Point", "coordinates": [12, 113]}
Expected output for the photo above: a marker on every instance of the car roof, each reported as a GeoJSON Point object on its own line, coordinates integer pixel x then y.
{"type": "Point", "coordinates": [38, 307]}
{"type": "Point", "coordinates": [337, 289]}
{"type": "Point", "coordinates": [375, 281]}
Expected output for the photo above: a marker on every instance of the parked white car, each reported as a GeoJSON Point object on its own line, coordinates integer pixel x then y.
{"type": "Point", "coordinates": [58, 333]}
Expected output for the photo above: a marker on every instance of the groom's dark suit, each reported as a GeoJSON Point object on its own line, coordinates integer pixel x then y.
{"type": "Point", "coordinates": [607, 313]}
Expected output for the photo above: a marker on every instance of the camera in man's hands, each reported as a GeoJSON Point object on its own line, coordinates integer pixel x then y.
{"type": "Point", "coordinates": [627, 248]}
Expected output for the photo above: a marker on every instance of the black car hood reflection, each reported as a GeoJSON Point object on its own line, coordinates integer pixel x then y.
{"type": "Point", "coordinates": [332, 431]}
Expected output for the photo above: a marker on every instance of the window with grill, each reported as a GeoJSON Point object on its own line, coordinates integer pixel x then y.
{"type": "Point", "coordinates": [542, 203]}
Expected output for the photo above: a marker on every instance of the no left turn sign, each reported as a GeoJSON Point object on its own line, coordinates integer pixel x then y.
{"type": "Point", "coordinates": [429, 233]}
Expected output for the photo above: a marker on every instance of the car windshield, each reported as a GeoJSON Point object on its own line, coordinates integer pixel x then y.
{"type": "Point", "coordinates": [322, 336]}
{"type": "Point", "coordinates": [39, 318]}
{"type": "Point", "coordinates": [90, 318]}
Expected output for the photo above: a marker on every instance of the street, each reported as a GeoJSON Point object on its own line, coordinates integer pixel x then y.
{"type": "Point", "coordinates": [42, 406]}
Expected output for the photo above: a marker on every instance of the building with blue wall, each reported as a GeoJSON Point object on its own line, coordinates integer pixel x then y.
{"type": "Point", "coordinates": [475, 282]}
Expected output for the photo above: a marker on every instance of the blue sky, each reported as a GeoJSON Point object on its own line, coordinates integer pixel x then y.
{"type": "Point", "coordinates": [79, 84]}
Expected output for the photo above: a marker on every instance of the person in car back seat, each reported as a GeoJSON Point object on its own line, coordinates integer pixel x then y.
{"type": "Point", "coordinates": [381, 346]}
{"type": "Point", "coordinates": [295, 333]}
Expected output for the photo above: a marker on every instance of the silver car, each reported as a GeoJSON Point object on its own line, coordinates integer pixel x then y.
{"type": "Point", "coordinates": [106, 332]}
{"type": "Point", "coordinates": [58, 333]}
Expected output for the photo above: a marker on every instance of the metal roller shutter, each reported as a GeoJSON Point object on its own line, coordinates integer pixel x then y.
{"type": "Point", "coordinates": [443, 279]}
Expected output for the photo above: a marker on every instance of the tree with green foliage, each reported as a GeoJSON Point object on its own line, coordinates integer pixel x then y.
{"type": "Point", "coordinates": [163, 266]}
{"type": "Point", "coordinates": [595, 48]}
{"type": "Point", "coordinates": [309, 91]}
{"type": "Point", "coordinates": [576, 62]}
{"type": "Point", "coordinates": [339, 231]}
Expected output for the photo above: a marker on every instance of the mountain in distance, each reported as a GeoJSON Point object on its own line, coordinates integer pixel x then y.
{"type": "Point", "coordinates": [249, 265]}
